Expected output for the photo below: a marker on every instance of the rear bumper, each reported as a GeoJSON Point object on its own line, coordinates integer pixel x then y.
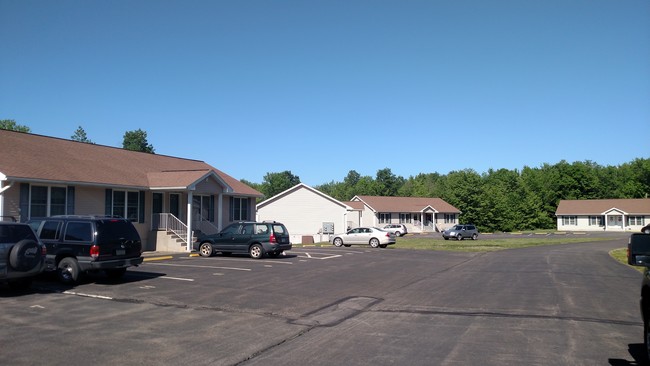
{"type": "Point", "coordinates": [269, 248]}
{"type": "Point", "coordinates": [116, 263]}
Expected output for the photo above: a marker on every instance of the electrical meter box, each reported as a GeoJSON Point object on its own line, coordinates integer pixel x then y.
{"type": "Point", "coordinates": [328, 228]}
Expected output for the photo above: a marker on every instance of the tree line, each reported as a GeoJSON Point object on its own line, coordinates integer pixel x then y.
{"type": "Point", "coordinates": [135, 140]}
{"type": "Point", "coordinates": [497, 200]}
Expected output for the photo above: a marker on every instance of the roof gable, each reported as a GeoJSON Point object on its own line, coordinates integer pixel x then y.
{"type": "Point", "coordinates": [406, 204]}
{"type": "Point", "coordinates": [30, 157]}
{"type": "Point", "coordinates": [296, 188]}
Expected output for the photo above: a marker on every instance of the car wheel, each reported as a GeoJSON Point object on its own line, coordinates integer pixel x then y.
{"type": "Point", "coordinates": [398, 233]}
{"type": "Point", "coordinates": [338, 242]}
{"type": "Point", "coordinates": [374, 242]}
{"type": "Point", "coordinates": [25, 255]}
{"type": "Point", "coordinates": [68, 270]}
{"type": "Point", "coordinates": [115, 273]}
{"type": "Point", "coordinates": [205, 250]}
{"type": "Point", "coordinates": [646, 231]}
{"type": "Point", "coordinates": [256, 251]}
{"type": "Point", "coordinates": [474, 236]}
{"type": "Point", "coordinates": [459, 237]}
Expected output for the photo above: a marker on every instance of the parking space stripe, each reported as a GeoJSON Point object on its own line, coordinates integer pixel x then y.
{"type": "Point", "coordinates": [197, 266]}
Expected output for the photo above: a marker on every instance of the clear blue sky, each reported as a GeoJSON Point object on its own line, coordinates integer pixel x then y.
{"type": "Point", "coordinates": [324, 87]}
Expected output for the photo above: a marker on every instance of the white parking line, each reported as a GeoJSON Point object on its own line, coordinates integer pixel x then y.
{"type": "Point", "coordinates": [176, 278]}
{"type": "Point", "coordinates": [197, 266]}
{"type": "Point", "coordinates": [328, 257]}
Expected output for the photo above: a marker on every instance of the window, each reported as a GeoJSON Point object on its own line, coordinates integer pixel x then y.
{"type": "Point", "coordinates": [79, 231]}
{"type": "Point", "coordinates": [47, 201]}
{"type": "Point", "coordinates": [450, 218]}
{"type": "Point", "coordinates": [238, 209]}
{"type": "Point", "coordinates": [405, 218]}
{"type": "Point", "coordinates": [569, 220]}
{"type": "Point", "coordinates": [126, 204]}
{"type": "Point", "coordinates": [635, 220]}
{"type": "Point", "coordinates": [51, 230]}
{"type": "Point", "coordinates": [384, 218]}
{"type": "Point", "coordinates": [596, 221]}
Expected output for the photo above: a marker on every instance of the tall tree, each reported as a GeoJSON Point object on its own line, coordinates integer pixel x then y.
{"type": "Point", "coordinates": [11, 125]}
{"type": "Point", "coordinates": [80, 136]}
{"type": "Point", "coordinates": [275, 183]}
{"type": "Point", "coordinates": [137, 141]}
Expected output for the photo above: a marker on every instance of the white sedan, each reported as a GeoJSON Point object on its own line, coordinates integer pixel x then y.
{"type": "Point", "coordinates": [375, 237]}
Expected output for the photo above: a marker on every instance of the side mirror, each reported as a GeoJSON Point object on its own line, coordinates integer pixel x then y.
{"type": "Point", "coordinates": [638, 250]}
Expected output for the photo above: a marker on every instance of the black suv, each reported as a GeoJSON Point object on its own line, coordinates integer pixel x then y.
{"type": "Point", "coordinates": [255, 238]}
{"type": "Point", "coordinates": [638, 254]}
{"type": "Point", "coordinates": [77, 244]}
{"type": "Point", "coordinates": [22, 255]}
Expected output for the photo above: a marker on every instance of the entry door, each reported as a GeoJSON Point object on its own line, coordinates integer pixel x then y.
{"type": "Point", "coordinates": [175, 205]}
{"type": "Point", "coordinates": [615, 221]}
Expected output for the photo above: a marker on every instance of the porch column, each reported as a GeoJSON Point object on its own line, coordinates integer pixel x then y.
{"type": "Point", "coordinates": [606, 220]}
{"type": "Point", "coordinates": [422, 222]}
{"type": "Point", "coordinates": [220, 211]}
{"type": "Point", "coordinates": [190, 198]}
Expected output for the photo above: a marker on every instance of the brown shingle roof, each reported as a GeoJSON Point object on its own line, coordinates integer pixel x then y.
{"type": "Point", "coordinates": [407, 204]}
{"type": "Point", "coordinates": [26, 156]}
{"type": "Point", "coordinates": [639, 206]}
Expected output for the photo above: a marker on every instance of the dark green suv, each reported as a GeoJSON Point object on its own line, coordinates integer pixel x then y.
{"type": "Point", "coordinates": [77, 244]}
{"type": "Point", "coordinates": [255, 238]}
{"type": "Point", "coordinates": [22, 255]}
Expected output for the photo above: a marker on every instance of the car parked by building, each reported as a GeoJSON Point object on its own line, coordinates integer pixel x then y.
{"type": "Point", "coordinates": [79, 244]}
{"type": "Point", "coordinates": [460, 232]}
{"type": "Point", "coordinates": [397, 229]}
{"type": "Point", "coordinates": [373, 236]}
{"type": "Point", "coordinates": [258, 239]}
{"type": "Point", "coordinates": [22, 255]}
{"type": "Point", "coordinates": [638, 254]}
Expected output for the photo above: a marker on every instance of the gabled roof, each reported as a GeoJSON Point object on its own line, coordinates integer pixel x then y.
{"type": "Point", "coordinates": [30, 157]}
{"type": "Point", "coordinates": [639, 206]}
{"type": "Point", "coordinates": [406, 204]}
{"type": "Point", "coordinates": [298, 187]}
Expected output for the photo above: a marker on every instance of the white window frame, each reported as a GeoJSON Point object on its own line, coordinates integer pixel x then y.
{"type": "Point", "coordinates": [128, 209]}
{"type": "Point", "coordinates": [48, 202]}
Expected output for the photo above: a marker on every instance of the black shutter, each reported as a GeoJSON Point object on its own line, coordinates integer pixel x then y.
{"type": "Point", "coordinates": [24, 202]}
{"type": "Point", "coordinates": [141, 208]}
{"type": "Point", "coordinates": [70, 207]}
{"type": "Point", "coordinates": [109, 202]}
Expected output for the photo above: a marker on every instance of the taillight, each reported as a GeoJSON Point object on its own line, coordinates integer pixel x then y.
{"type": "Point", "coordinates": [388, 235]}
{"type": "Point", "coordinates": [272, 239]}
{"type": "Point", "coordinates": [43, 250]}
{"type": "Point", "coordinates": [94, 251]}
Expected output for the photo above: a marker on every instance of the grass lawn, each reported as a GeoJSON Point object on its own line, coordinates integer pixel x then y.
{"type": "Point", "coordinates": [483, 245]}
{"type": "Point", "coordinates": [620, 255]}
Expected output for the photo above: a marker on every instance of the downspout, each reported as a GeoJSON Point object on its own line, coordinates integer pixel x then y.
{"type": "Point", "coordinates": [190, 198]}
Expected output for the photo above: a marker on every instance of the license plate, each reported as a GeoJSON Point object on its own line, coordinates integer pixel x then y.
{"type": "Point", "coordinates": [120, 252]}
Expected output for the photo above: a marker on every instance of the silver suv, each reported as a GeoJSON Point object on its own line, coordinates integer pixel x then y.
{"type": "Point", "coordinates": [460, 232]}
{"type": "Point", "coordinates": [397, 229]}
{"type": "Point", "coordinates": [22, 255]}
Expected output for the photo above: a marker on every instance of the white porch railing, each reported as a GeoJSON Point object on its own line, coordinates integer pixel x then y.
{"type": "Point", "coordinates": [169, 222]}
{"type": "Point", "coordinates": [204, 226]}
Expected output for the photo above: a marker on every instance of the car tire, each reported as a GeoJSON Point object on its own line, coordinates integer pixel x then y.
{"type": "Point", "coordinates": [68, 270]}
{"type": "Point", "coordinates": [374, 243]}
{"type": "Point", "coordinates": [474, 236]}
{"type": "Point", "coordinates": [256, 251]}
{"type": "Point", "coordinates": [25, 255]}
{"type": "Point", "coordinates": [398, 233]}
{"type": "Point", "coordinates": [205, 250]}
{"type": "Point", "coordinates": [646, 231]}
{"type": "Point", "coordinates": [337, 242]}
{"type": "Point", "coordinates": [459, 237]}
{"type": "Point", "coordinates": [115, 273]}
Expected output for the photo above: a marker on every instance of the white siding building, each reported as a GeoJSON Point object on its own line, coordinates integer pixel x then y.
{"type": "Point", "coordinates": [603, 215]}
{"type": "Point", "coordinates": [305, 212]}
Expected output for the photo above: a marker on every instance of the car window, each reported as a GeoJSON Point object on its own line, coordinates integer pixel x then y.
{"type": "Point", "coordinates": [231, 229]}
{"type": "Point", "coordinates": [50, 230]}
{"type": "Point", "coordinates": [116, 230]}
{"type": "Point", "coordinates": [279, 229]}
{"type": "Point", "coordinates": [261, 229]}
{"type": "Point", "coordinates": [353, 231]}
{"type": "Point", "coordinates": [79, 231]}
{"type": "Point", "coordinates": [15, 233]}
{"type": "Point", "coordinates": [246, 229]}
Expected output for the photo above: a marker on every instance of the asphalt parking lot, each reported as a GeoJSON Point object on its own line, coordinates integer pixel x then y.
{"type": "Point", "coordinates": [561, 304]}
